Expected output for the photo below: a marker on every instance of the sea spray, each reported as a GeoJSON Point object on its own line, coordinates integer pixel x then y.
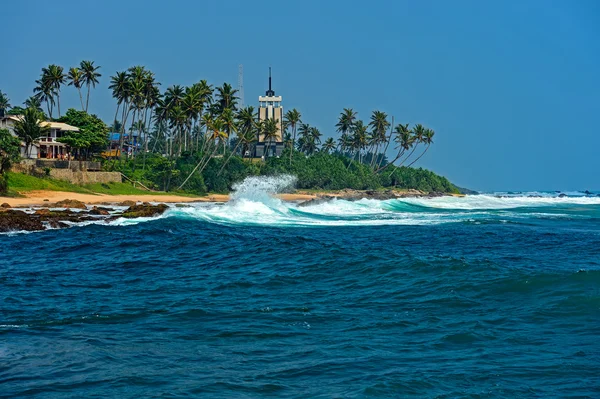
{"type": "Point", "coordinates": [262, 188]}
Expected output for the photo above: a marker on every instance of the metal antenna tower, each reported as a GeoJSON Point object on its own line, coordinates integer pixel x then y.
{"type": "Point", "coordinates": [241, 85]}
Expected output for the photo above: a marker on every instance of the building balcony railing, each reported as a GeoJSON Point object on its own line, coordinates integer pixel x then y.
{"type": "Point", "coordinates": [48, 139]}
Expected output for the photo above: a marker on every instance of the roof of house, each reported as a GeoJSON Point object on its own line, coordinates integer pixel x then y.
{"type": "Point", "coordinates": [53, 125]}
{"type": "Point", "coordinates": [61, 126]}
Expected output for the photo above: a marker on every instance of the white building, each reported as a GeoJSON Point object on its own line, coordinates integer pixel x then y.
{"type": "Point", "coordinates": [270, 108]}
{"type": "Point", "coordinates": [46, 147]}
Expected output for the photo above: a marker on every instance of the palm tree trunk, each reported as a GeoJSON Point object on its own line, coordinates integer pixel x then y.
{"type": "Point", "coordinates": [87, 100]}
{"type": "Point", "coordinates": [419, 157]}
{"type": "Point", "coordinates": [409, 155]}
{"type": "Point", "coordinates": [293, 142]}
{"type": "Point", "coordinates": [81, 99]}
{"type": "Point", "coordinates": [58, 103]}
{"type": "Point", "coordinates": [229, 157]}
{"type": "Point", "coordinates": [204, 160]}
{"type": "Point", "coordinates": [387, 143]}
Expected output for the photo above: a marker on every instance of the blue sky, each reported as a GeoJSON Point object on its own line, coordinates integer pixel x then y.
{"type": "Point", "coordinates": [511, 88]}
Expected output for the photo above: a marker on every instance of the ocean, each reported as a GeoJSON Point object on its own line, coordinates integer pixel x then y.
{"type": "Point", "coordinates": [487, 296]}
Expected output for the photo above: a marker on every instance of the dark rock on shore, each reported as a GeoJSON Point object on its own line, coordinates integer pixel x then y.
{"type": "Point", "coordinates": [5, 206]}
{"type": "Point", "coordinates": [69, 203]}
{"type": "Point", "coordinates": [43, 218]}
{"type": "Point", "coordinates": [144, 210]}
{"type": "Point", "coordinates": [19, 221]}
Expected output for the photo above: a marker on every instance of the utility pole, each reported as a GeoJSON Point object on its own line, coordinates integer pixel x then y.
{"type": "Point", "coordinates": [241, 85]}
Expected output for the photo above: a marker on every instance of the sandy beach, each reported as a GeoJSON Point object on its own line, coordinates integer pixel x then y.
{"type": "Point", "coordinates": [35, 198]}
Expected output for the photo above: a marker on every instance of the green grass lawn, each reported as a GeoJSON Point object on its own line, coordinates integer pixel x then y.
{"type": "Point", "coordinates": [21, 183]}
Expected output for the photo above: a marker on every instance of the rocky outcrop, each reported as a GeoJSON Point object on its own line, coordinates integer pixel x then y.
{"type": "Point", "coordinates": [144, 210]}
{"type": "Point", "coordinates": [128, 203]}
{"type": "Point", "coordinates": [43, 218]}
{"type": "Point", "coordinates": [69, 203]}
{"type": "Point", "coordinates": [5, 206]}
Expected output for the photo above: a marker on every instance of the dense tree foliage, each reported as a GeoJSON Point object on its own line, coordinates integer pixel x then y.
{"type": "Point", "coordinates": [9, 153]}
{"type": "Point", "coordinates": [198, 139]}
{"type": "Point", "coordinates": [92, 135]}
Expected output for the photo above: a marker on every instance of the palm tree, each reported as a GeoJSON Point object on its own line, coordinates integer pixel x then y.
{"type": "Point", "coordinates": [328, 145]}
{"type": "Point", "coordinates": [229, 125]}
{"type": "Point", "coordinates": [53, 76]}
{"type": "Point", "coordinates": [29, 129]}
{"type": "Point", "coordinates": [269, 131]}
{"type": "Point", "coordinates": [244, 127]}
{"type": "Point", "coordinates": [379, 125]}
{"type": "Point", "coordinates": [417, 138]}
{"type": "Point", "coordinates": [359, 138]}
{"type": "Point", "coordinates": [292, 118]}
{"type": "Point", "coordinates": [346, 121]}
{"type": "Point", "coordinates": [4, 102]}
{"type": "Point", "coordinates": [227, 98]}
{"type": "Point", "coordinates": [90, 77]}
{"type": "Point", "coordinates": [426, 139]}
{"type": "Point", "coordinates": [315, 138]}
{"type": "Point", "coordinates": [404, 139]}
{"type": "Point", "coordinates": [34, 102]}
{"type": "Point", "coordinates": [75, 78]}
{"type": "Point", "coordinates": [247, 138]}
{"type": "Point", "coordinates": [120, 86]}
{"type": "Point", "coordinates": [45, 93]}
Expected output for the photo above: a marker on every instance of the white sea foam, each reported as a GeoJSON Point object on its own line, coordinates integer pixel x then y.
{"type": "Point", "coordinates": [253, 204]}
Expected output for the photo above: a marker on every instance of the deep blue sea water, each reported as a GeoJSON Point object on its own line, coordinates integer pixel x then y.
{"type": "Point", "coordinates": [477, 297]}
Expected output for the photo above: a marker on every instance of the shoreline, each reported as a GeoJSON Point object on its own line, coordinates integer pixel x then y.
{"type": "Point", "coordinates": [44, 197]}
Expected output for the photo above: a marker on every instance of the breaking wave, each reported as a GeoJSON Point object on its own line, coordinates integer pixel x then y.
{"type": "Point", "coordinates": [253, 203]}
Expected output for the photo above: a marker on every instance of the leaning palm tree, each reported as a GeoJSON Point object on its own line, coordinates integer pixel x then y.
{"type": "Point", "coordinates": [75, 78]}
{"type": "Point", "coordinates": [417, 138]}
{"type": "Point", "coordinates": [404, 139]}
{"type": "Point", "coordinates": [90, 78]}
{"type": "Point", "coordinates": [292, 118]}
{"type": "Point", "coordinates": [426, 139]}
{"type": "Point", "coordinates": [4, 102]}
{"type": "Point", "coordinates": [29, 129]}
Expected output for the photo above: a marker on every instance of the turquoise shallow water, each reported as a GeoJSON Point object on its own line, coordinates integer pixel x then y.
{"type": "Point", "coordinates": [480, 297]}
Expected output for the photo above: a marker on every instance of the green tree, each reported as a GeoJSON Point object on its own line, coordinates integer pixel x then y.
{"type": "Point", "coordinates": [292, 118]}
{"type": "Point", "coordinates": [226, 96]}
{"type": "Point", "coordinates": [92, 136]}
{"type": "Point", "coordinates": [90, 77]}
{"type": "Point", "coordinates": [269, 132]}
{"type": "Point", "coordinates": [379, 125]}
{"type": "Point", "coordinates": [45, 93]}
{"type": "Point", "coordinates": [75, 79]}
{"type": "Point", "coordinates": [53, 76]}
{"type": "Point", "coordinates": [328, 145]}
{"type": "Point", "coordinates": [30, 128]}
{"type": "Point", "coordinates": [9, 154]}
{"type": "Point", "coordinates": [427, 138]}
{"type": "Point", "coordinates": [34, 102]}
{"type": "Point", "coordinates": [4, 102]}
